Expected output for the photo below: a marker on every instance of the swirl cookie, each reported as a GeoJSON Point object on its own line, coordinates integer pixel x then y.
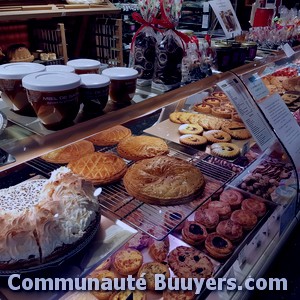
{"type": "Point", "coordinates": [190, 129]}
{"type": "Point", "coordinates": [193, 233]}
{"type": "Point", "coordinates": [218, 246]}
{"type": "Point", "coordinates": [216, 136]}
{"type": "Point", "coordinates": [187, 262]}
{"type": "Point", "coordinates": [237, 130]}
{"type": "Point", "coordinates": [256, 206]}
{"type": "Point", "coordinates": [226, 150]}
{"type": "Point", "coordinates": [202, 108]}
{"type": "Point", "coordinates": [223, 209]}
{"type": "Point", "coordinates": [246, 218]}
{"type": "Point", "coordinates": [232, 197]}
{"type": "Point", "coordinates": [193, 140]}
{"type": "Point", "coordinates": [230, 230]}
{"type": "Point", "coordinates": [128, 261]}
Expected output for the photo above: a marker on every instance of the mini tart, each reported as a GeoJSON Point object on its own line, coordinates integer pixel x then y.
{"type": "Point", "coordinates": [223, 209]}
{"type": "Point", "coordinates": [226, 150]}
{"type": "Point", "coordinates": [213, 101]}
{"type": "Point", "coordinates": [172, 218]}
{"type": "Point", "coordinates": [193, 233]}
{"type": "Point", "coordinates": [193, 140]}
{"type": "Point", "coordinates": [232, 197]}
{"type": "Point", "coordinates": [202, 108]}
{"type": "Point", "coordinates": [228, 105]}
{"type": "Point", "coordinates": [246, 218]}
{"type": "Point", "coordinates": [237, 130]}
{"type": "Point", "coordinates": [218, 246]}
{"type": "Point", "coordinates": [124, 295]}
{"type": "Point", "coordinates": [208, 217]}
{"type": "Point", "coordinates": [220, 95]}
{"type": "Point", "coordinates": [215, 136]}
{"type": "Point", "coordinates": [190, 129]}
{"type": "Point", "coordinates": [230, 230]}
{"type": "Point", "coordinates": [256, 206]}
{"type": "Point", "coordinates": [221, 112]}
{"type": "Point", "coordinates": [128, 261]}
{"type": "Point", "coordinates": [151, 269]}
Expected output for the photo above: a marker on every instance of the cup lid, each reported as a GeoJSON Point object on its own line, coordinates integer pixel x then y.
{"type": "Point", "coordinates": [94, 80]}
{"type": "Point", "coordinates": [51, 81]}
{"type": "Point", "coordinates": [120, 73]}
{"type": "Point", "coordinates": [84, 63]}
{"type": "Point", "coordinates": [19, 69]}
{"type": "Point", "coordinates": [60, 68]}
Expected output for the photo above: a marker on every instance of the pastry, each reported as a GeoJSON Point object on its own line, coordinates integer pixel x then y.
{"type": "Point", "coordinates": [202, 108]}
{"type": "Point", "coordinates": [139, 242]}
{"type": "Point", "coordinates": [177, 116]}
{"type": "Point", "coordinates": [210, 123]}
{"type": "Point", "coordinates": [232, 197]}
{"type": "Point", "coordinates": [150, 270]}
{"type": "Point", "coordinates": [246, 218]}
{"type": "Point", "coordinates": [213, 101]}
{"type": "Point", "coordinates": [111, 136]}
{"type": "Point", "coordinates": [208, 217]}
{"type": "Point", "coordinates": [52, 56]}
{"type": "Point", "coordinates": [256, 206]}
{"type": "Point", "coordinates": [289, 98]}
{"type": "Point", "coordinates": [195, 118]}
{"type": "Point", "coordinates": [218, 246]}
{"type": "Point", "coordinates": [128, 261]}
{"type": "Point", "coordinates": [164, 180]}
{"type": "Point", "coordinates": [19, 53]}
{"type": "Point", "coordinates": [184, 117]}
{"type": "Point", "coordinates": [220, 95]}
{"type": "Point", "coordinates": [174, 217]}
{"type": "Point", "coordinates": [190, 129]}
{"type": "Point", "coordinates": [223, 209]}
{"type": "Point", "coordinates": [158, 250]}
{"type": "Point", "coordinates": [140, 147]}
{"type": "Point", "coordinates": [193, 233]}
{"type": "Point", "coordinates": [126, 295]}
{"type": "Point", "coordinates": [226, 150]}
{"type": "Point", "coordinates": [230, 230]}
{"type": "Point", "coordinates": [236, 117]}
{"type": "Point", "coordinates": [69, 153]}
{"type": "Point", "coordinates": [215, 136]}
{"type": "Point", "coordinates": [99, 168]}
{"type": "Point", "coordinates": [178, 295]}
{"type": "Point", "coordinates": [236, 130]}
{"type": "Point", "coordinates": [31, 231]}
{"type": "Point", "coordinates": [292, 84]}
{"type": "Point", "coordinates": [221, 112]}
{"type": "Point", "coordinates": [228, 105]}
{"type": "Point", "coordinates": [193, 140]}
{"type": "Point", "coordinates": [187, 262]}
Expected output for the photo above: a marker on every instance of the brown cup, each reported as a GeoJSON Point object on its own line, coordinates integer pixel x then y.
{"type": "Point", "coordinates": [85, 66]}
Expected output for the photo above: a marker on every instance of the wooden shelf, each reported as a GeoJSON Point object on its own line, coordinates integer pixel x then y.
{"type": "Point", "coordinates": [9, 13]}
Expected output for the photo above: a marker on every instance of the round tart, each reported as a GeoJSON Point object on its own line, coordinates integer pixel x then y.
{"type": "Point", "coordinates": [230, 230]}
{"type": "Point", "coordinates": [215, 136]}
{"type": "Point", "coordinates": [207, 217]}
{"type": "Point", "coordinates": [233, 198]}
{"type": "Point", "coordinates": [221, 112]}
{"type": "Point", "coordinates": [125, 295]}
{"type": "Point", "coordinates": [69, 153]}
{"type": "Point", "coordinates": [158, 250]}
{"type": "Point", "coordinates": [140, 147]}
{"type": "Point", "coordinates": [111, 136]}
{"type": "Point", "coordinates": [164, 180]}
{"type": "Point", "coordinates": [172, 218]}
{"type": "Point", "coordinates": [218, 246]}
{"type": "Point", "coordinates": [256, 206]}
{"type": "Point", "coordinates": [213, 101]}
{"type": "Point", "coordinates": [99, 168]}
{"type": "Point", "coordinates": [237, 130]}
{"type": "Point", "coordinates": [193, 233]}
{"type": "Point", "coordinates": [226, 150]}
{"type": "Point", "coordinates": [228, 105]}
{"type": "Point", "coordinates": [187, 262]}
{"type": "Point", "coordinates": [128, 261]}
{"type": "Point", "coordinates": [190, 129]}
{"type": "Point", "coordinates": [202, 108]}
{"type": "Point", "coordinates": [223, 209]}
{"type": "Point", "coordinates": [193, 140]}
{"type": "Point", "coordinates": [246, 218]}
{"type": "Point", "coordinates": [220, 95]}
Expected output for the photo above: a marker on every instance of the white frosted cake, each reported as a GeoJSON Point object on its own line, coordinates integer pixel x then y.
{"type": "Point", "coordinates": [42, 219]}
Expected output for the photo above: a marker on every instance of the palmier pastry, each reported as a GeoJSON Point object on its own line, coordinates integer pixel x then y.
{"type": "Point", "coordinates": [99, 168]}
{"type": "Point", "coordinates": [215, 136]}
{"type": "Point", "coordinates": [111, 136]}
{"type": "Point", "coordinates": [190, 129]}
{"type": "Point", "coordinates": [221, 112]}
{"type": "Point", "coordinates": [223, 209]}
{"type": "Point", "coordinates": [193, 233]}
{"type": "Point", "coordinates": [203, 108]}
{"type": "Point", "coordinates": [256, 206]}
{"type": "Point", "coordinates": [246, 218]}
{"type": "Point", "coordinates": [226, 150]}
{"type": "Point", "coordinates": [232, 197]}
{"type": "Point", "coordinates": [128, 261]}
{"type": "Point", "coordinates": [236, 130]}
{"type": "Point", "coordinates": [213, 101]}
{"type": "Point", "coordinates": [230, 230]}
{"type": "Point", "coordinates": [221, 95]}
{"type": "Point", "coordinates": [207, 217]}
{"type": "Point", "coordinates": [140, 147]}
{"type": "Point", "coordinates": [193, 140]}
{"type": "Point", "coordinates": [71, 152]}
{"type": "Point", "coordinates": [218, 246]}
{"type": "Point", "coordinates": [164, 180]}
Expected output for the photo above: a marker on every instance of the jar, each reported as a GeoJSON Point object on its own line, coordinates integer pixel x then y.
{"type": "Point", "coordinates": [60, 68]}
{"type": "Point", "coordinates": [122, 83]}
{"type": "Point", "coordinates": [235, 54]}
{"type": "Point", "coordinates": [251, 50]}
{"type": "Point", "coordinates": [93, 92]}
{"type": "Point", "coordinates": [85, 65]}
{"type": "Point", "coordinates": [223, 56]}
{"type": "Point", "coordinates": [13, 92]}
{"type": "Point", "coordinates": [54, 97]}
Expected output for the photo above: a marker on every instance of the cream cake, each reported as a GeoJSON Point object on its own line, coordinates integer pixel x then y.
{"type": "Point", "coordinates": [43, 219]}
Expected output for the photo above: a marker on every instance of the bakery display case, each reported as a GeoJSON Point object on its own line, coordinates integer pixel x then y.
{"type": "Point", "coordinates": [234, 175]}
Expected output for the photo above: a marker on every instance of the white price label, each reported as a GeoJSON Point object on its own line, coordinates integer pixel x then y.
{"type": "Point", "coordinates": [256, 87]}
{"type": "Point", "coordinates": [288, 50]}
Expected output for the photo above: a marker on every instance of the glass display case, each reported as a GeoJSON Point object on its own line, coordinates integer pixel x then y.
{"type": "Point", "coordinates": [249, 152]}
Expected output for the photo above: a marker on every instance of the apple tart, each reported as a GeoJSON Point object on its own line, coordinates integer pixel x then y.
{"type": "Point", "coordinates": [99, 168]}
{"type": "Point", "coordinates": [164, 180]}
{"type": "Point", "coordinates": [140, 147]}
